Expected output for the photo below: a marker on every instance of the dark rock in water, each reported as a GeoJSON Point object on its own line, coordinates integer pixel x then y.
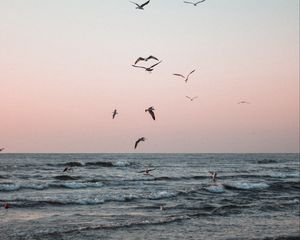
{"type": "Point", "coordinates": [65, 177]}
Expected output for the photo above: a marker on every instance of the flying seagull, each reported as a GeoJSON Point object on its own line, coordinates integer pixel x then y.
{"type": "Point", "coordinates": [194, 3]}
{"type": "Point", "coordinates": [151, 112]}
{"type": "Point", "coordinates": [192, 98]}
{"type": "Point", "coordinates": [148, 69]}
{"type": "Point", "coordinates": [139, 140]}
{"type": "Point", "coordinates": [213, 175]}
{"type": "Point", "coordinates": [1, 149]}
{"type": "Point", "coordinates": [145, 59]}
{"type": "Point", "coordinates": [243, 102]}
{"type": "Point", "coordinates": [147, 170]}
{"type": "Point", "coordinates": [114, 113]}
{"type": "Point", "coordinates": [186, 78]}
{"type": "Point", "coordinates": [140, 6]}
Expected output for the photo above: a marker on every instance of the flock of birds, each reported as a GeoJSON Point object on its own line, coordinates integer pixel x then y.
{"type": "Point", "coordinates": [151, 109]}
{"type": "Point", "coordinates": [150, 68]}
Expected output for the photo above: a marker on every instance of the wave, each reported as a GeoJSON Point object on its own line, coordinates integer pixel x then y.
{"type": "Point", "coordinates": [215, 189]}
{"type": "Point", "coordinates": [67, 164]}
{"type": "Point", "coordinates": [78, 185]}
{"type": "Point", "coordinates": [283, 238]}
{"type": "Point", "coordinates": [266, 161]}
{"type": "Point", "coordinates": [285, 186]}
{"type": "Point", "coordinates": [114, 226]}
{"type": "Point", "coordinates": [90, 200]}
{"type": "Point", "coordinates": [16, 187]}
{"type": "Point", "coordinates": [100, 164]}
{"type": "Point", "coordinates": [66, 177]}
{"type": "Point", "coordinates": [38, 186]}
{"type": "Point", "coordinates": [245, 186]}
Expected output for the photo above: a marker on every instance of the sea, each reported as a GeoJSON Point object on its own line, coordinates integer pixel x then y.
{"type": "Point", "coordinates": [108, 196]}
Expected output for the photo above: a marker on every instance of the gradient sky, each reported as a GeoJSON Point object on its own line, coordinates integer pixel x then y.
{"type": "Point", "coordinates": [65, 65]}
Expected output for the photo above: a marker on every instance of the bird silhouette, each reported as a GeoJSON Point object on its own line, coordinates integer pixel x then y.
{"type": "Point", "coordinates": [182, 76]}
{"type": "Point", "coordinates": [151, 112]}
{"type": "Point", "coordinates": [147, 171]}
{"type": "Point", "coordinates": [1, 149]}
{"type": "Point", "coordinates": [114, 113]}
{"type": "Point", "coordinates": [243, 102]}
{"type": "Point", "coordinates": [139, 140]}
{"type": "Point", "coordinates": [192, 98]}
{"type": "Point", "coordinates": [140, 6]}
{"type": "Point", "coordinates": [194, 3]}
{"type": "Point", "coordinates": [148, 69]}
{"type": "Point", "coordinates": [145, 59]}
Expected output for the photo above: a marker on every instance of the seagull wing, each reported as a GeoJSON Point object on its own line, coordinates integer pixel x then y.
{"type": "Point", "coordinates": [139, 59]}
{"type": "Point", "coordinates": [144, 4]}
{"type": "Point", "coordinates": [188, 2]}
{"type": "Point", "coordinates": [189, 97]}
{"type": "Point", "coordinates": [155, 64]}
{"type": "Point", "coordinates": [195, 97]}
{"type": "Point", "coordinates": [135, 3]}
{"type": "Point", "coordinates": [178, 75]}
{"type": "Point", "coordinates": [191, 73]}
{"type": "Point", "coordinates": [200, 2]}
{"type": "Point", "coordinates": [151, 57]}
{"type": "Point", "coordinates": [149, 170]}
{"type": "Point", "coordinates": [151, 113]}
{"type": "Point", "coordinates": [137, 142]}
{"type": "Point", "coordinates": [139, 66]}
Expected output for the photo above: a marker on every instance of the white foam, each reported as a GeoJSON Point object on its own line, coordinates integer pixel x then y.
{"type": "Point", "coordinates": [247, 186]}
{"type": "Point", "coordinates": [15, 187]}
{"type": "Point", "coordinates": [162, 194]}
{"type": "Point", "coordinates": [9, 187]}
{"type": "Point", "coordinates": [121, 163]}
{"type": "Point", "coordinates": [78, 185]}
{"type": "Point", "coordinates": [215, 189]}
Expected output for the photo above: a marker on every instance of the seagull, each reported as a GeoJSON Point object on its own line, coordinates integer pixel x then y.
{"type": "Point", "coordinates": [67, 169]}
{"type": "Point", "coordinates": [145, 59]}
{"type": "Point", "coordinates": [148, 69]}
{"type": "Point", "coordinates": [139, 140]}
{"type": "Point", "coordinates": [192, 98]}
{"type": "Point", "coordinates": [147, 170]}
{"type": "Point", "coordinates": [161, 207]}
{"type": "Point", "coordinates": [243, 102]}
{"type": "Point", "coordinates": [141, 7]}
{"type": "Point", "coordinates": [186, 78]}
{"type": "Point", "coordinates": [151, 111]}
{"type": "Point", "coordinates": [114, 113]}
{"type": "Point", "coordinates": [213, 175]}
{"type": "Point", "coordinates": [1, 149]}
{"type": "Point", "coordinates": [195, 4]}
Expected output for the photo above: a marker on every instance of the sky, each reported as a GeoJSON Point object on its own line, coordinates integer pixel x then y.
{"type": "Point", "coordinates": [65, 65]}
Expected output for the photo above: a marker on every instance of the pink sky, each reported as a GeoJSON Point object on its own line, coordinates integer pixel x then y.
{"type": "Point", "coordinates": [66, 65]}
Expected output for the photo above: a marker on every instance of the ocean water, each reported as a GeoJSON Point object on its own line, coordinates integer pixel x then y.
{"type": "Point", "coordinates": [106, 196]}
